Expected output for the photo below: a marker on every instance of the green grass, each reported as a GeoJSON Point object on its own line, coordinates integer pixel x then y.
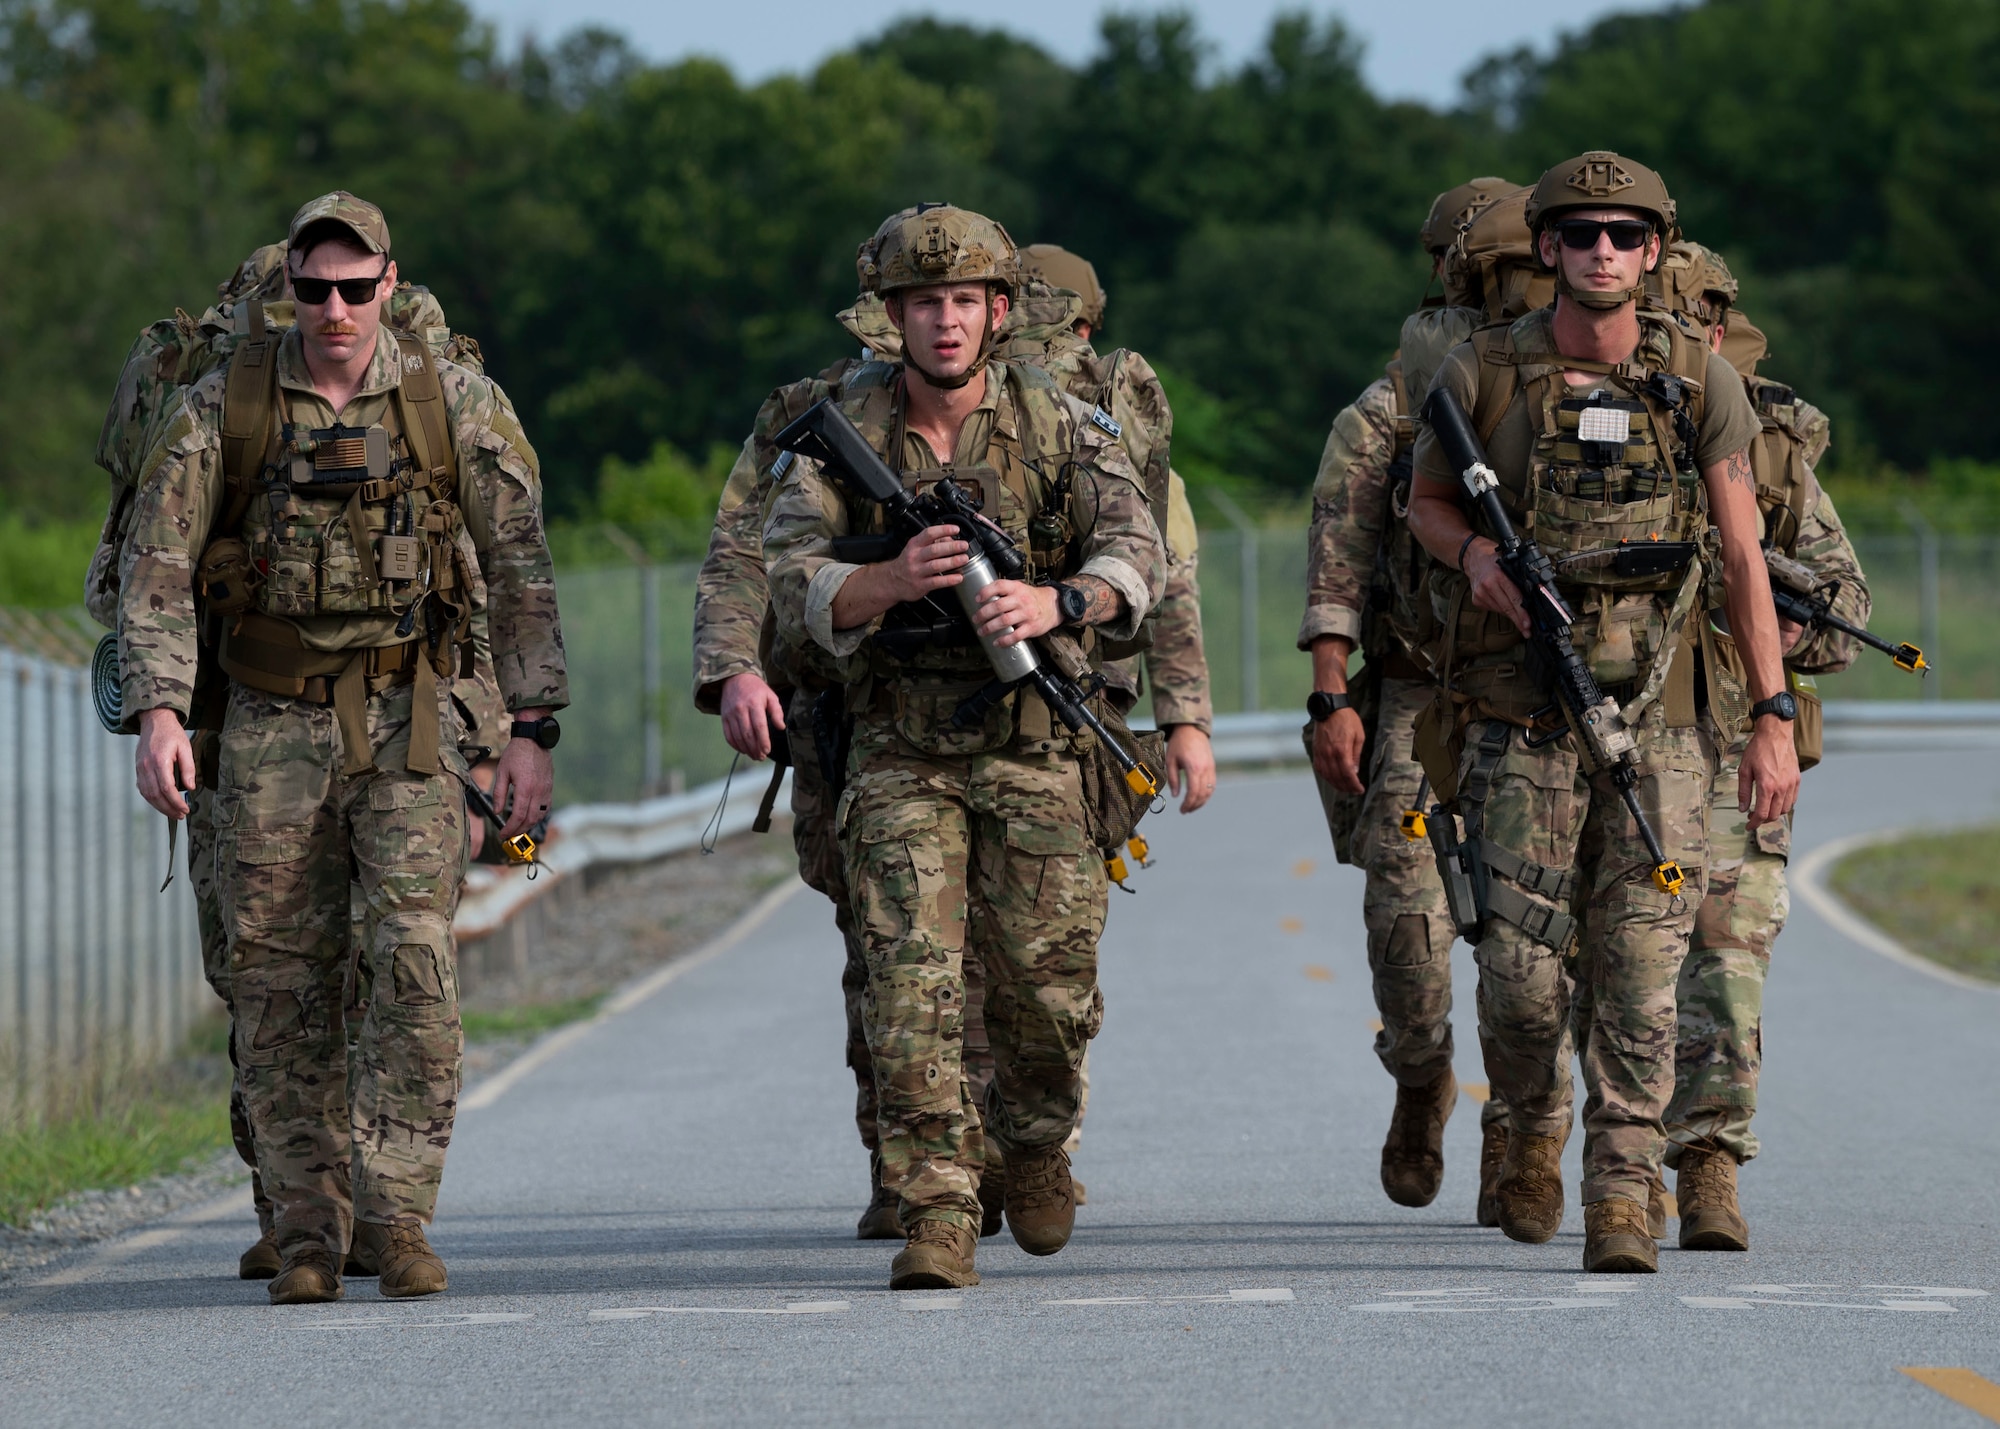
{"type": "Point", "coordinates": [42, 563]}
{"type": "Point", "coordinates": [529, 1021]}
{"type": "Point", "coordinates": [1936, 894]}
{"type": "Point", "coordinates": [124, 1131]}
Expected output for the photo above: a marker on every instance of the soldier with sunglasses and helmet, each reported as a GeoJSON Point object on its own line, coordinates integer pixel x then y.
{"type": "Point", "coordinates": [316, 511]}
{"type": "Point", "coordinates": [1605, 431]}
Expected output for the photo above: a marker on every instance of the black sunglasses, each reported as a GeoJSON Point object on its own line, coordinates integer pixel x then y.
{"type": "Point", "coordinates": [353, 291]}
{"type": "Point", "coordinates": [1582, 234]}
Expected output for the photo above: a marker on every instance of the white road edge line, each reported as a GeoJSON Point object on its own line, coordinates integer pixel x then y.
{"type": "Point", "coordinates": [549, 1047]}
{"type": "Point", "coordinates": [1812, 887]}
{"type": "Point", "coordinates": [236, 1202]}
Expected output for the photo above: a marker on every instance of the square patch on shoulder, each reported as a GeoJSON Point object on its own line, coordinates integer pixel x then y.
{"type": "Point", "coordinates": [1604, 424]}
{"type": "Point", "coordinates": [1103, 419]}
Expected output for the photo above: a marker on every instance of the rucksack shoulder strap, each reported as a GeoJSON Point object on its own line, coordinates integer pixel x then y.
{"type": "Point", "coordinates": [249, 409]}
{"type": "Point", "coordinates": [1498, 378]}
{"type": "Point", "coordinates": [420, 403]}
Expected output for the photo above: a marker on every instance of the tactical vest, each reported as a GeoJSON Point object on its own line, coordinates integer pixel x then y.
{"type": "Point", "coordinates": [1607, 469]}
{"type": "Point", "coordinates": [925, 660]}
{"type": "Point", "coordinates": [340, 522]}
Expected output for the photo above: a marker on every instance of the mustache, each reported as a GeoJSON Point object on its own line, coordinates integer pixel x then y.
{"type": "Point", "coordinates": [337, 330]}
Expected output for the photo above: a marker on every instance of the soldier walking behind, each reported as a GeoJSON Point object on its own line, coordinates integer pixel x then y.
{"type": "Point", "coordinates": [956, 836]}
{"type": "Point", "coordinates": [318, 507]}
{"type": "Point", "coordinates": [1363, 571]}
{"type": "Point", "coordinates": [1601, 429]}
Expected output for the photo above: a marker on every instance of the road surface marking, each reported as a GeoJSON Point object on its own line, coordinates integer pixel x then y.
{"type": "Point", "coordinates": [1478, 1091]}
{"type": "Point", "coordinates": [544, 1051]}
{"type": "Point", "coordinates": [1961, 1386]}
{"type": "Point", "coordinates": [1745, 1302]}
{"type": "Point", "coordinates": [1318, 973]}
{"type": "Point", "coordinates": [1290, 925]}
{"type": "Point", "coordinates": [797, 1307]}
{"type": "Point", "coordinates": [1810, 880]}
{"type": "Point", "coordinates": [931, 1302]}
{"type": "Point", "coordinates": [1274, 1296]}
{"type": "Point", "coordinates": [396, 1322]}
{"type": "Point", "coordinates": [1303, 868]}
{"type": "Point", "coordinates": [1374, 1024]}
{"type": "Point", "coordinates": [1607, 1287]}
{"type": "Point", "coordinates": [1930, 1292]}
{"type": "Point", "coordinates": [1473, 1301]}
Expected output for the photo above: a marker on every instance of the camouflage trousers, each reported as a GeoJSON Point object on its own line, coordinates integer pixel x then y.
{"type": "Point", "coordinates": [984, 859]}
{"type": "Point", "coordinates": [1721, 1043]}
{"type": "Point", "coordinates": [822, 869]}
{"type": "Point", "coordinates": [213, 930]}
{"type": "Point", "coordinates": [1617, 995]}
{"type": "Point", "coordinates": [292, 831]}
{"type": "Point", "coordinates": [1410, 930]}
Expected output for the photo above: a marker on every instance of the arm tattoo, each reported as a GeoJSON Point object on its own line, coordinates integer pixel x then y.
{"type": "Point", "coordinates": [1736, 467]}
{"type": "Point", "coordinates": [1102, 603]}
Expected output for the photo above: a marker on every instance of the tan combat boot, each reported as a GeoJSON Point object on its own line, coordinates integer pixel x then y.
{"type": "Point", "coordinates": [1656, 1205]}
{"type": "Point", "coordinates": [1413, 1154]}
{"type": "Point", "coordinates": [1710, 1216]}
{"type": "Point", "coordinates": [262, 1260]}
{"type": "Point", "coordinates": [1492, 1151]}
{"type": "Point", "coordinates": [306, 1277]}
{"type": "Point", "coordinates": [1041, 1205]}
{"type": "Point", "coordinates": [882, 1220]}
{"type": "Point", "coordinates": [1528, 1197]}
{"type": "Point", "coordinates": [937, 1257]}
{"type": "Point", "coordinates": [401, 1256]}
{"type": "Point", "coordinates": [1615, 1238]}
{"type": "Point", "coordinates": [992, 1195]}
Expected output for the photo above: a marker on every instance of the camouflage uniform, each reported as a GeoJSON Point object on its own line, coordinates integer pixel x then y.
{"type": "Point", "coordinates": [964, 840]}
{"type": "Point", "coordinates": [1720, 1046]}
{"type": "Point", "coordinates": [296, 810]}
{"type": "Point", "coordinates": [167, 356]}
{"type": "Point", "coordinates": [1541, 809]}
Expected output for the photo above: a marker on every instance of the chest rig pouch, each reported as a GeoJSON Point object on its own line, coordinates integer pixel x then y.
{"type": "Point", "coordinates": [925, 662]}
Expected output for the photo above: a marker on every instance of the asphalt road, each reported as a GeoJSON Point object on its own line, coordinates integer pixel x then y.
{"type": "Point", "coordinates": [655, 1224]}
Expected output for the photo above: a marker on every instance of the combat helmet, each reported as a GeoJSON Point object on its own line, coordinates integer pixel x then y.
{"type": "Point", "coordinates": [937, 243]}
{"type": "Point", "coordinates": [1453, 209]}
{"type": "Point", "coordinates": [1602, 179]}
{"type": "Point", "coordinates": [1061, 268]}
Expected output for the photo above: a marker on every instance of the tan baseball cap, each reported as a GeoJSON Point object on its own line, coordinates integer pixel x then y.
{"type": "Point", "coordinates": [357, 215]}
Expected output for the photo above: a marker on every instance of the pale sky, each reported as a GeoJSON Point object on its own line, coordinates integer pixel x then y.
{"type": "Point", "coordinates": [1414, 50]}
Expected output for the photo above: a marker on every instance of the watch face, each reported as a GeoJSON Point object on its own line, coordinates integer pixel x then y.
{"type": "Point", "coordinates": [1071, 602]}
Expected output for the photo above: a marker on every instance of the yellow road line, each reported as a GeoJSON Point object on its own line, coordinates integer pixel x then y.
{"type": "Point", "coordinates": [1478, 1091]}
{"type": "Point", "coordinates": [1318, 973]}
{"type": "Point", "coordinates": [1961, 1386]}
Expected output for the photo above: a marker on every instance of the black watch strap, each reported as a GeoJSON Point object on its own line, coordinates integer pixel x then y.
{"type": "Point", "coordinates": [1782, 704]}
{"type": "Point", "coordinates": [544, 731]}
{"type": "Point", "coordinates": [1322, 704]}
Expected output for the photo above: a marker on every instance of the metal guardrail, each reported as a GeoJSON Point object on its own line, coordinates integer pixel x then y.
{"type": "Point", "coordinates": [97, 966]}
{"type": "Point", "coordinates": [1272, 736]}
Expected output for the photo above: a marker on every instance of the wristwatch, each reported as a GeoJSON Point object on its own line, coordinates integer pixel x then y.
{"type": "Point", "coordinates": [1321, 704]}
{"type": "Point", "coordinates": [1071, 603]}
{"type": "Point", "coordinates": [544, 731]}
{"type": "Point", "coordinates": [1781, 704]}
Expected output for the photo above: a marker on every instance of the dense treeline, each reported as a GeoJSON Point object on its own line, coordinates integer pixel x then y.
{"type": "Point", "coordinates": [645, 249]}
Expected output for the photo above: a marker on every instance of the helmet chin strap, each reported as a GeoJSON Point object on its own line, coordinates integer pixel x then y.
{"type": "Point", "coordinates": [972, 368]}
{"type": "Point", "coordinates": [1602, 302]}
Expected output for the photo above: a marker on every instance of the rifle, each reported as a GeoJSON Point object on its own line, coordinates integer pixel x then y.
{"type": "Point", "coordinates": [1803, 599]}
{"type": "Point", "coordinates": [1588, 714]}
{"type": "Point", "coordinates": [826, 436]}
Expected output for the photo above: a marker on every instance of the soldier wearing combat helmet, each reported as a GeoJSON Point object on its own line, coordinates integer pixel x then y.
{"type": "Point", "coordinates": [1599, 427]}
{"type": "Point", "coordinates": [954, 834]}
{"type": "Point", "coordinates": [1360, 563]}
{"type": "Point", "coordinates": [319, 507]}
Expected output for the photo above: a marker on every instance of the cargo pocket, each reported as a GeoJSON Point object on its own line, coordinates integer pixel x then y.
{"type": "Point", "coordinates": [268, 879]}
{"type": "Point", "coordinates": [1048, 867]}
{"type": "Point", "coordinates": [896, 867]}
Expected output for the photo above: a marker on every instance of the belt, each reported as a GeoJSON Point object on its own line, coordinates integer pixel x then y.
{"type": "Point", "coordinates": [267, 655]}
